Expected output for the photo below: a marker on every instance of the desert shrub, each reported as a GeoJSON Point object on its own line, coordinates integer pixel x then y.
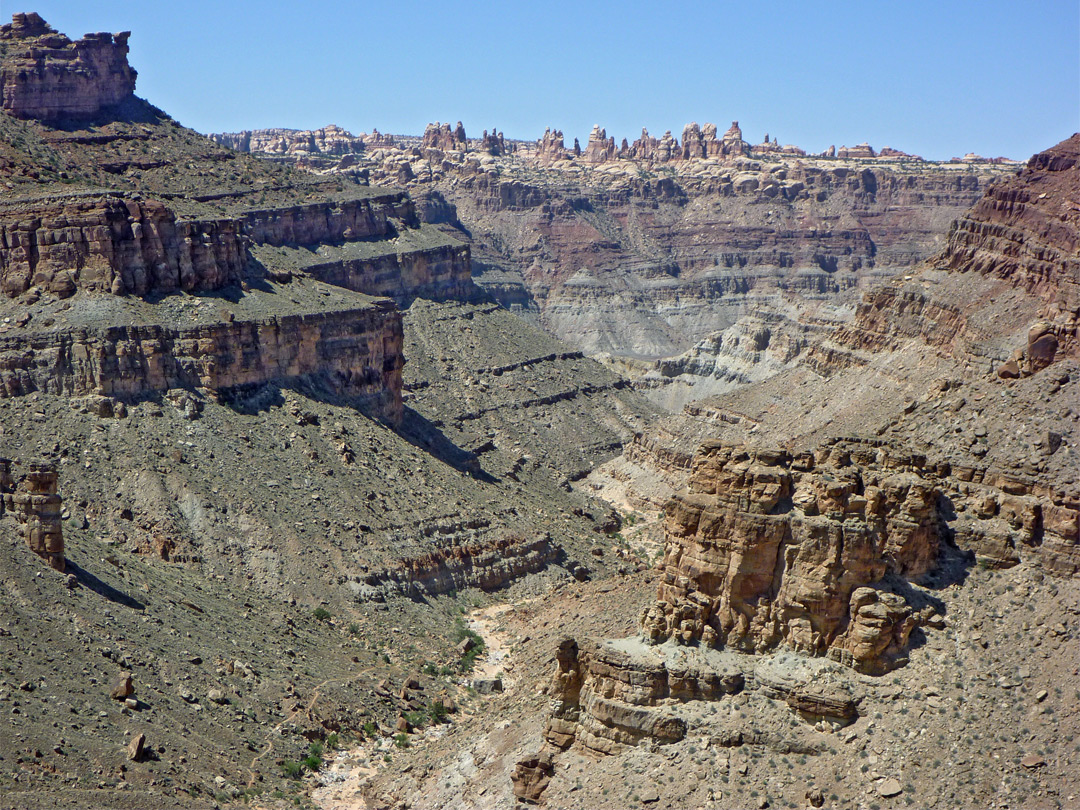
{"type": "Point", "coordinates": [291, 769]}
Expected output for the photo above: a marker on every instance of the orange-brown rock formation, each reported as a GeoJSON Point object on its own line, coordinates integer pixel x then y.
{"type": "Point", "coordinates": [442, 137]}
{"type": "Point", "coordinates": [46, 76]}
{"type": "Point", "coordinates": [767, 548]}
{"type": "Point", "coordinates": [36, 506]}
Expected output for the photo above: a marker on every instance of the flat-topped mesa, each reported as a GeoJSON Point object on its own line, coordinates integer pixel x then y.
{"type": "Point", "coordinates": [861, 150]}
{"type": "Point", "coordinates": [766, 548]}
{"type": "Point", "coordinates": [328, 140]}
{"type": "Point", "coordinates": [36, 506]}
{"type": "Point", "coordinates": [441, 137]}
{"type": "Point", "coordinates": [46, 76]}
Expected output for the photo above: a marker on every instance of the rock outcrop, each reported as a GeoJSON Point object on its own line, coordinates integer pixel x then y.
{"type": "Point", "coordinates": [862, 150]}
{"type": "Point", "coordinates": [442, 137]}
{"type": "Point", "coordinates": [1026, 231]}
{"type": "Point", "coordinates": [767, 548]}
{"type": "Point", "coordinates": [607, 694]}
{"type": "Point", "coordinates": [600, 148]}
{"type": "Point", "coordinates": [47, 77]}
{"type": "Point", "coordinates": [328, 140]}
{"type": "Point", "coordinates": [355, 351]}
{"type": "Point", "coordinates": [36, 507]}
{"type": "Point", "coordinates": [114, 244]}
{"type": "Point", "coordinates": [551, 147]}
{"type": "Point", "coordinates": [487, 564]}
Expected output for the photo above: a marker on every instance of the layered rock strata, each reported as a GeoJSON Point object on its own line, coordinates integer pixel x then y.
{"type": "Point", "coordinates": [357, 352]}
{"type": "Point", "coordinates": [114, 244]}
{"type": "Point", "coordinates": [1026, 230]}
{"type": "Point", "coordinates": [604, 696]}
{"type": "Point", "coordinates": [36, 507]}
{"type": "Point", "coordinates": [767, 548]}
{"type": "Point", "coordinates": [615, 256]}
{"type": "Point", "coordinates": [487, 564]}
{"type": "Point", "coordinates": [48, 77]}
{"type": "Point", "coordinates": [610, 696]}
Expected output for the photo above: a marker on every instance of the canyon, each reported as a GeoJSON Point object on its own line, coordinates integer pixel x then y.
{"type": "Point", "coordinates": [672, 256]}
{"type": "Point", "coordinates": [388, 471]}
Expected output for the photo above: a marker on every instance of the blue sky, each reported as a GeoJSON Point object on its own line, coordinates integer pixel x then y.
{"type": "Point", "coordinates": [934, 78]}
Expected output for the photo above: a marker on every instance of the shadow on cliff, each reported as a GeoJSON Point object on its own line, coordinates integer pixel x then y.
{"type": "Point", "coordinates": [100, 587]}
{"type": "Point", "coordinates": [133, 110]}
{"type": "Point", "coordinates": [953, 568]}
{"type": "Point", "coordinates": [414, 428]}
{"type": "Point", "coordinates": [422, 433]}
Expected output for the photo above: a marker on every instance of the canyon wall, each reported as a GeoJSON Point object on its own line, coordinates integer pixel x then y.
{"type": "Point", "coordinates": [765, 548]}
{"type": "Point", "coordinates": [114, 244]}
{"type": "Point", "coordinates": [649, 248]}
{"type": "Point", "coordinates": [356, 351]}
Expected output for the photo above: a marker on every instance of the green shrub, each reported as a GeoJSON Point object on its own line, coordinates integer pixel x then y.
{"type": "Point", "coordinates": [461, 632]}
{"type": "Point", "coordinates": [437, 711]}
{"type": "Point", "coordinates": [291, 769]}
{"type": "Point", "coordinates": [401, 740]}
{"type": "Point", "coordinates": [416, 718]}
{"type": "Point", "coordinates": [321, 613]}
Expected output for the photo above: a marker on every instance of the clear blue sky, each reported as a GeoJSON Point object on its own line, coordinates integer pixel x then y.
{"type": "Point", "coordinates": [997, 77]}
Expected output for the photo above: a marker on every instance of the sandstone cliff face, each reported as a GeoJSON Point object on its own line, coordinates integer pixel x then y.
{"type": "Point", "coordinates": [340, 220]}
{"type": "Point", "coordinates": [357, 352]}
{"type": "Point", "coordinates": [47, 76]}
{"type": "Point", "coordinates": [765, 548]}
{"type": "Point", "coordinates": [328, 140]}
{"type": "Point", "coordinates": [131, 246]}
{"type": "Point", "coordinates": [606, 694]}
{"type": "Point", "coordinates": [117, 245]}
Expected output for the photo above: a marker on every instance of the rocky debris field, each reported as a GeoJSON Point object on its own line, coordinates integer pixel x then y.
{"type": "Point", "coordinates": [986, 693]}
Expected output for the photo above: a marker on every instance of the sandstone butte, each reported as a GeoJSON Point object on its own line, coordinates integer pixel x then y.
{"type": "Point", "coordinates": [267, 430]}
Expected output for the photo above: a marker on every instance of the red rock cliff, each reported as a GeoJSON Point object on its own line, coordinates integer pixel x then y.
{"type": "Point", "coordinates": [47, 76]}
